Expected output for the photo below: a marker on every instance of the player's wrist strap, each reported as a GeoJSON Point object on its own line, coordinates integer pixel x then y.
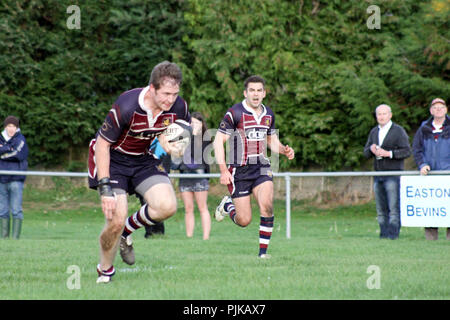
{"type": "Point", "coordinates": [104, 187]}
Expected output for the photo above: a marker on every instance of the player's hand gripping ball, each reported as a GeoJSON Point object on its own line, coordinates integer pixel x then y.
{"type": "Point", "coordinates": [178, 135]}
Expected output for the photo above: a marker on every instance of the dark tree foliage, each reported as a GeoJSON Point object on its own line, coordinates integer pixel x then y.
{"type": "Point", "coordinates": [326, 71]}
{"type": "Point", "coordinates": [61, 82]}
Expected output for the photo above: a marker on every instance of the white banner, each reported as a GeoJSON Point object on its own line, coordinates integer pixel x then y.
{"type": "Point", "coordinates": [425, 201]}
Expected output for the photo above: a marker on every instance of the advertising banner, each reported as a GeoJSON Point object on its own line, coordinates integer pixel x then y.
{"type": "Point", "coordinates": [425, 201]}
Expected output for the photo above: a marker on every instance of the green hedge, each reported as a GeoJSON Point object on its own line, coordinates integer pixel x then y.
{"type": "Point", "coordinates": [326, 70]}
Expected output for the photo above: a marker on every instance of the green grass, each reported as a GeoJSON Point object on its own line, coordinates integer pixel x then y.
{"type": "Point", "coordinates": [327, 256]}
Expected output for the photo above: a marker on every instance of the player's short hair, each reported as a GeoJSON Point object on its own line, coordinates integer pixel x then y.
{"type": "Point", "coordinates": [163, 71]}
{"type": "Point", "coordinates": [254, 79]}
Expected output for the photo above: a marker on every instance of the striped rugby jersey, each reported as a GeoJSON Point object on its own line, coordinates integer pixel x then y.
{"type": "Point", "coordinates": [131, 128]}
{"type": "Point", "coordinates": [248, 133]}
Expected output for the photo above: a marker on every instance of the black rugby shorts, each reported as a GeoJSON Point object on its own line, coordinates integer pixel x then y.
{"type": "Point", "coordinates": [245, 178]}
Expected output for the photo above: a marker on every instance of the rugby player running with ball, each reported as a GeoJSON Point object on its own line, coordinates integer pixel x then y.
{"type": "Point", "coordinates": [120, 162]}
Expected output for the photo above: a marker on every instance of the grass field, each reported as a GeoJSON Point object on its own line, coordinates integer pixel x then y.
{"type": "Point", "coordinates": [331, 255]}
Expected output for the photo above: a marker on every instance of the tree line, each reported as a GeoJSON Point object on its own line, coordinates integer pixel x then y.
{"type": "Point", "coordinates": [326, 69]}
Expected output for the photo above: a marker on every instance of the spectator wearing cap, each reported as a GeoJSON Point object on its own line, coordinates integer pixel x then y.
{"type": "Point", "coordinates": [431, 147]}
{"type": "Point", "coordinates": [388, 144]}
{"type": "Point", "coordinates": [13, 157]}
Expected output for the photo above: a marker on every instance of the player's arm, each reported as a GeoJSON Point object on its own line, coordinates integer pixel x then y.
{"type": "Point", "coordinates": [219, 152]}
{"type": "Point", "coordinates": [164, 143]}
{"type": "Point", "coordinates": [102, 156]}
{"type": "Point", "coordinates": [276, 146]}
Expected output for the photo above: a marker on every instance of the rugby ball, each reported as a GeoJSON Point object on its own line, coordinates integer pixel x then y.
{"type": "Point", "coordinates": [178, 134]}
{"type": "Point", "coordinates": [177, 131]}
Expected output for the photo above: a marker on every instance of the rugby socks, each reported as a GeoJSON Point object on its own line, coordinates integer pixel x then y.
{"type": "Point", "coordinates": [137, 220]}
{"type": "Point", "coordinates": [110, 272]}
{"type": "Point", "coordinates": [230, 209]}
{"type": "Point", "coordinates": [265, 232]}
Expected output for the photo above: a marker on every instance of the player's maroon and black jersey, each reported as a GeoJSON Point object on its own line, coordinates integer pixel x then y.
{"type": "Point", "coordinates": [131, 128]}
{"type": "Point", "coordinates": [249, 133]}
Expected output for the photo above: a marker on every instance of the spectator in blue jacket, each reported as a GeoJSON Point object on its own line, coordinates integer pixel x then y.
{"type": "Point", "coordinates": [431, 148]}
{"type": "Point", "coordinates": [13, 156]}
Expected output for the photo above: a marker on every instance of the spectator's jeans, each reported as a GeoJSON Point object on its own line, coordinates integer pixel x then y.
{"type": "Point", "coordinates": [11, 199]}
{"type": "Point", "coordinates": [387, 198]}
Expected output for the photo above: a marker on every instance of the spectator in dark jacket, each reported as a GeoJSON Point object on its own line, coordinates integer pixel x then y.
{"type": "Point", "coordinates": [431, 148]}
{"type": "Point", "coordinates": [13, 157]}
{"type": "Point", "coordinates": [388, 143]}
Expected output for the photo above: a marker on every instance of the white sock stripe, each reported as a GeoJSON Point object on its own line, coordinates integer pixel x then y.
{"type": "Point", "coordinates": [129, 227]}
{"type": "Point", "coordinates": [265, 229]}
{"type": "Point", "coordinates": [264, 241]}
{"type": "Point", "coordinates": [143, 217]}
{"type": "Point", "coordinates": [104, 272]}
{"type": "Point", "coordinates": [136, 221]}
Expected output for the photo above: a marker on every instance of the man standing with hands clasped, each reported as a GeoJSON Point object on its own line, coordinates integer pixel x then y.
{"type": "Point", "coordinates": [431, 148]}
{"type": "Point", "coordinates": [388, 143]}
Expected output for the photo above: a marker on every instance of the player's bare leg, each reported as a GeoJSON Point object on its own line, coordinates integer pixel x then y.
{"type": "Point", "coordinates": [239, 209]}
{"type": "Point", "coordinates": [264, 197]}
{"type": "Point", "coordinates": [109, 237]}
{"type": "Point", "coordinates": [161, 203]}
{"type": "Point", "coordinates": [243, 211]}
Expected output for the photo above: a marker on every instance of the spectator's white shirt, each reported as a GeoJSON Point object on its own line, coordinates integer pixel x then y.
{"type": "Point", "coordinates": [5, 135]}
{"type": "Point", "coordinates": [383, 132]}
